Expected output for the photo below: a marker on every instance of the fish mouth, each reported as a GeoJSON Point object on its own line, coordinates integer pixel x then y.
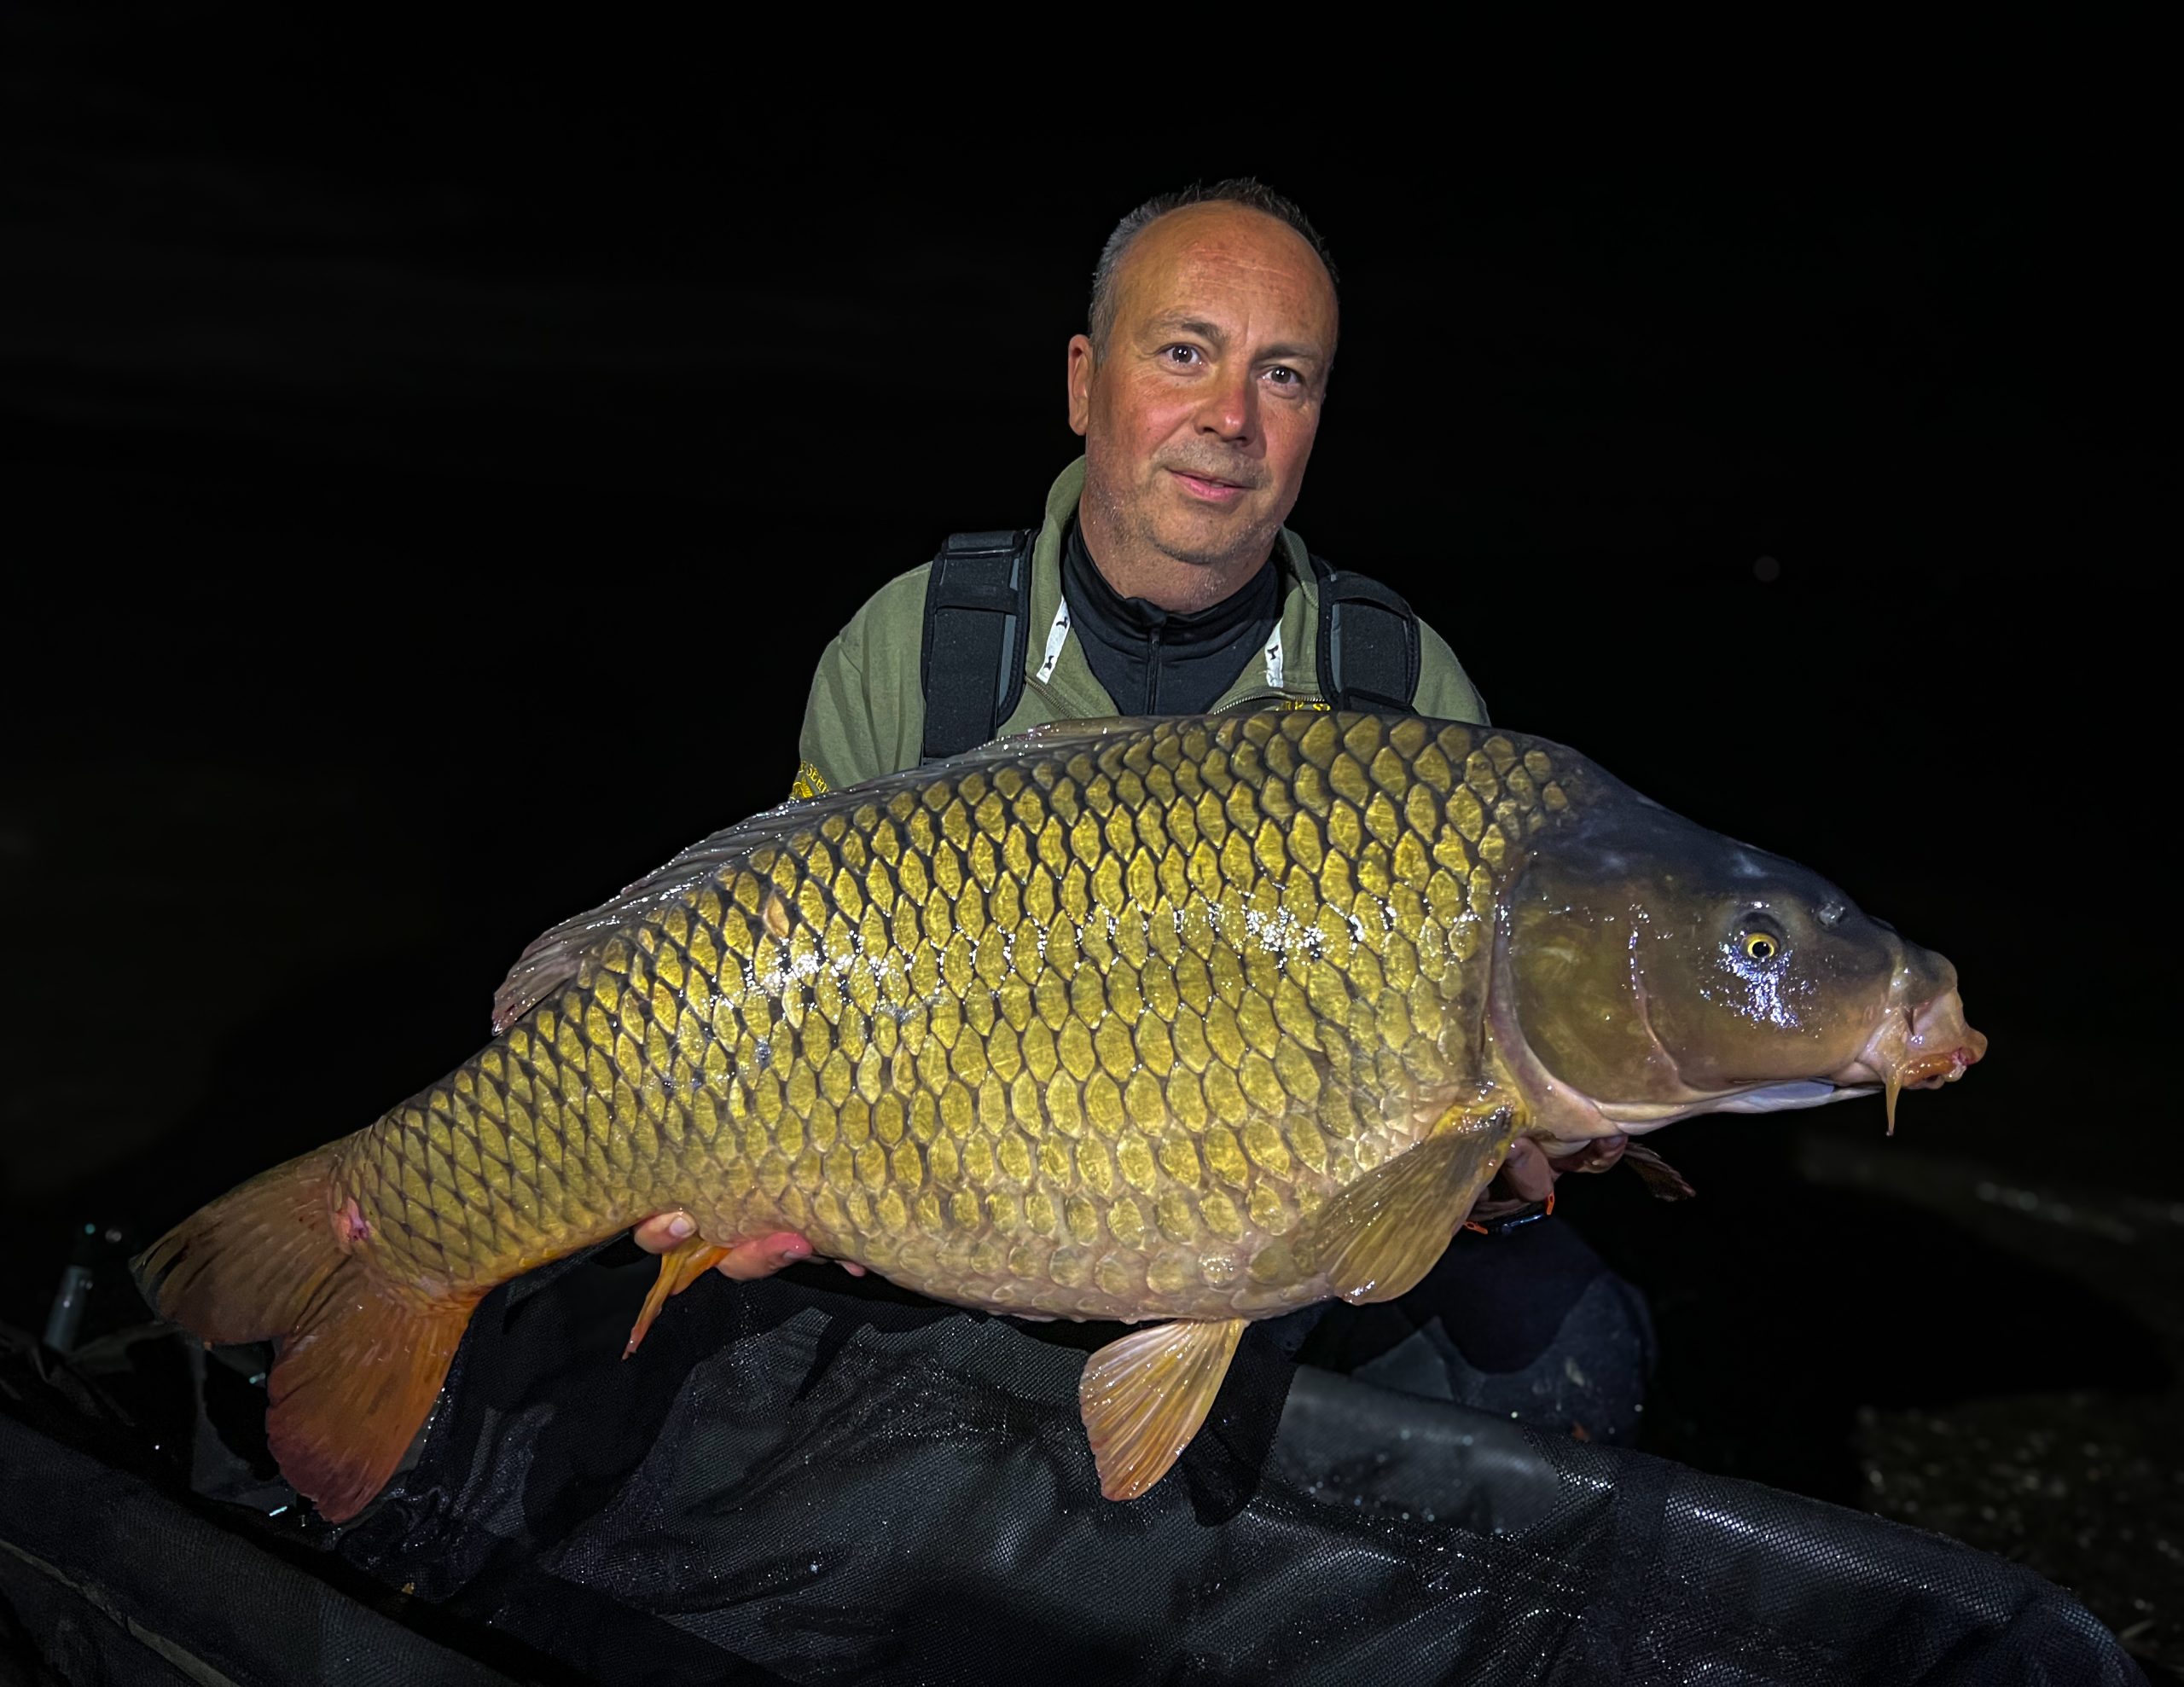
{"type": "Point", "coordinates": [1920, 1045]}
{"type": "Point", "coordinates": [1916, 1046]}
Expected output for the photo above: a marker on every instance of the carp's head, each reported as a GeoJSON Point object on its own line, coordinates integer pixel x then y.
{"type": "Point", "coordinates": [1650, 968]}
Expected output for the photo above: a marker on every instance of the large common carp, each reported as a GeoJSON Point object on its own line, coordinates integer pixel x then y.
{"type": "Point", "coordinates": [1181, 1022]}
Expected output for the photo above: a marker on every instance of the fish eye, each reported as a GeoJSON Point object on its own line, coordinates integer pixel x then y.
{"type": "Point", "coordinates": [1758, 937]}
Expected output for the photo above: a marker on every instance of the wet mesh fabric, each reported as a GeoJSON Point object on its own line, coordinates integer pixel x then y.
{"type": "Point", "coordinates": [799, 1480]}
{"type": "Point", "coordinates": [109, 1576]}
{"type": "Point", "coordinates": [812, 1480]}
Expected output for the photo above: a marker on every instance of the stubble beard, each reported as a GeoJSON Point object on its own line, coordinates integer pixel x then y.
{"type": "Point", "coordinates": [1220, 548]}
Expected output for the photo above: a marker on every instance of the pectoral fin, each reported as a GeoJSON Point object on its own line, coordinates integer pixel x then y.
{"type": "Point", "coordinates": [1384, 1232]}
{"type": "Point", "coordinates": [1144, 1397]}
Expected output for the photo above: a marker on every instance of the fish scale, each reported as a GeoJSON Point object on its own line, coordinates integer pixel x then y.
{"type": "Point", "coordinates": [1086, 1032]}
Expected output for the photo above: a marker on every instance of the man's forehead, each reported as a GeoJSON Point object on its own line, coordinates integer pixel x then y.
{"type": "Point", "coordinates": [1187, 265]}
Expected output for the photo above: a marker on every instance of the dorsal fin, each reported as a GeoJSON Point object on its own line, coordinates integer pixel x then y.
{"type": "Point", "coordinates": [554, 957]}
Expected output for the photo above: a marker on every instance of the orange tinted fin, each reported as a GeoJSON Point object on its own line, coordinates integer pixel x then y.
{"type": "Point", "coordinates": [1144, 1397]}
{"type": "Point", "coordinates": [1382, 1233]}
{"type": "Point", "coordinates": [353, 1385]}
{"type": "Point", "coordinates": [360, 1361]}
{"type": "Point", "coordinates": [679, 1267]}
{"type": "Point", "coordinates": [244, 1267]}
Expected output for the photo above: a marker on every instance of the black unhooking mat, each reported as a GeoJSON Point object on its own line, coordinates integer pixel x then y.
{"type": "Point", "coordinates": [803, 1482]}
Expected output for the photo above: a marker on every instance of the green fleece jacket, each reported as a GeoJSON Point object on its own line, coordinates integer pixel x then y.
{"type": "Point", "coordinates": [866, 715]}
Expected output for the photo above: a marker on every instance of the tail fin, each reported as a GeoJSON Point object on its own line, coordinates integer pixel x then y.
{"type": "Point", "coordinates": [361, 1359]}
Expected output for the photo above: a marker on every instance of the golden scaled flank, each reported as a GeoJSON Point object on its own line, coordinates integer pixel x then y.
{"type": "Point", "coordinates": [1065, 1023]}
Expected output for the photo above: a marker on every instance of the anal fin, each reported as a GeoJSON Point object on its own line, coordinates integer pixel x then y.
{"type": "Point", "coordinates": [679, 1267]}
{"type": "Point", "coordinates": [1376, 1239]}
{"type": "Point", "coordinates": [1145, 1396]}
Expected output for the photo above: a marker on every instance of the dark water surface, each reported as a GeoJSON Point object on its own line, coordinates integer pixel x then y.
{"type": "Point", "coordinates": [430, 477]}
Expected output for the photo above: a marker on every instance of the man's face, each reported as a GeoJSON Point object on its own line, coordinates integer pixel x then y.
{"type": "Point", "coordinates": [1198, 420]}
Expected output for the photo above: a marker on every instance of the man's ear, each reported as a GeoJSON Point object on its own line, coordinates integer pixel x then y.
{"type": "Point", "coordinates": [1080, 366]}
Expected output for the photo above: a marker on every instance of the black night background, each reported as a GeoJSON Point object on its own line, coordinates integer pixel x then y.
{"type": "Point", "coordinates": [428, 479]}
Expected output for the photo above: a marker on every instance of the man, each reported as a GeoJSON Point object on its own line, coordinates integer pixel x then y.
{"type": "Point", "coordinates": [1162, 581]}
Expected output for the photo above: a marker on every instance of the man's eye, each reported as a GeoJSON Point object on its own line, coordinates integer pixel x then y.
{"type": "Point", "coordinates": [1180, 354]}
{"type": "Point", "coordinates": [1283, 377]}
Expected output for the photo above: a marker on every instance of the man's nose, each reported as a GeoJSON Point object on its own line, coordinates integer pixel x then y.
{"type": "Point", "coordinates": [1230, 410]}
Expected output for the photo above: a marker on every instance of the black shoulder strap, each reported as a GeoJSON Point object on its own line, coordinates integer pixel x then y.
{"type": "Point", "coordinates": [978, 608]}
{"type": "Point", "coordinates": [1369, 641]}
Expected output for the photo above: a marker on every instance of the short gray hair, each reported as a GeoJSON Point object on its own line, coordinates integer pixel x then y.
{"type": "Point", "coordinates": [1245, 190]}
